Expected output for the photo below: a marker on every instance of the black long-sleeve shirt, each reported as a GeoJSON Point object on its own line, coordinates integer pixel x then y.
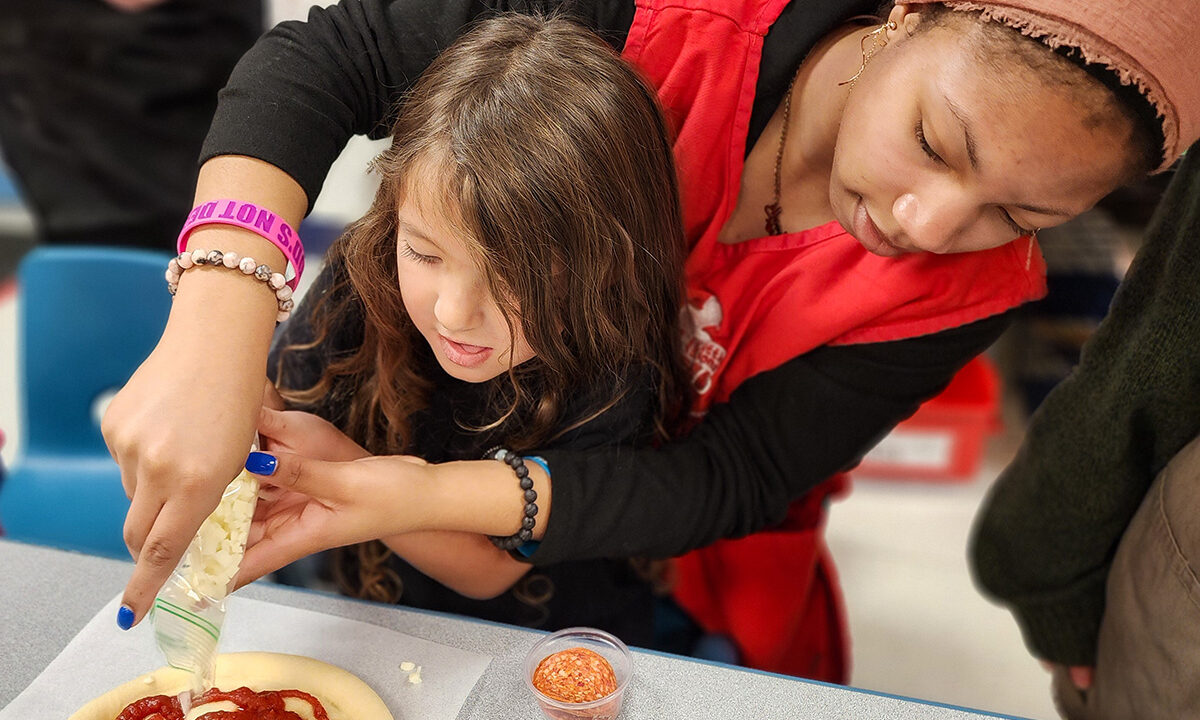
{"type": "Point", "coordinates": [299, 95]}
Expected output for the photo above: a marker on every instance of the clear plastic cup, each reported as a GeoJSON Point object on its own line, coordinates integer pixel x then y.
{"type": "Point", "coordinates": [610, 647]}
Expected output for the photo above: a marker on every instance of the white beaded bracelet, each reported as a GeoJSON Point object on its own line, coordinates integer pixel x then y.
{"type": "Point", "coordinates": [230, 260]}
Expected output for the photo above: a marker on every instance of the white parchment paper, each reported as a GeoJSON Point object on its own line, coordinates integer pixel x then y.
{"type": "Point", "coordinates": [102, 656]}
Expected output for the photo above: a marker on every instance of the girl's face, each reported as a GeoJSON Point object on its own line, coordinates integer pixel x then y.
{"type": "Point", "coordinates": [939, 151]}
{"type": "Point", "coordinates": [447, 296]}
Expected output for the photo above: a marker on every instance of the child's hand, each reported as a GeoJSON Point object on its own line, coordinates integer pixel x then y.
{"type": "Point", "coordinates": [315, 505]}
{"type": "Point", "coordinates": [301, 433]}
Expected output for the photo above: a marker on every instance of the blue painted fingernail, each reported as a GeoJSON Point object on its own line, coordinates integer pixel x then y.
{"type": "Point", "coordinates": [125, 617]}
{"type": "Point", "coordinates": [260, 463]}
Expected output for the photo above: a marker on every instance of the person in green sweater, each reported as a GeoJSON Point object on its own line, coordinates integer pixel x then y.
{"type": "Point", "coordinates": [1089, 535]}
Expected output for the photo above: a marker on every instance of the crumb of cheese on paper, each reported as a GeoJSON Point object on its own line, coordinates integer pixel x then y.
{"type": "Point", "coordinates": [413, 670]}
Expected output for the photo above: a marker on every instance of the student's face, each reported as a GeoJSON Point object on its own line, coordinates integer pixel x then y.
{"type": "Point", "coordinates": [936, 153]}
{"type": "Point", "coordinates": [447, 297]}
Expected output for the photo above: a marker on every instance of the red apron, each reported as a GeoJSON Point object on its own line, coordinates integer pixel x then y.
{"type": "Point", "coordinates": [759, 303]}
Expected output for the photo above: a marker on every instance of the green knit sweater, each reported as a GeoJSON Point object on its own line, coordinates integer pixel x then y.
{"type": "Point", "coordinates": [1045, 537]}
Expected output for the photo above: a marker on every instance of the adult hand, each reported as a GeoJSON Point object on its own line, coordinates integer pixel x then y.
{"type": "Point", "coordinates": [1080, 675]}
{"type": "Point", "coordinates": [181, 426]}
{"type": "Point", "coordinates": [177, 447]}
{"type": "Point", "coordinates": [317, 504]}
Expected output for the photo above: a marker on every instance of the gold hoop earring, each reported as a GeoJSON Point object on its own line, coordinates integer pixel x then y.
{"type": "Point", "coordinates": [878, 38]}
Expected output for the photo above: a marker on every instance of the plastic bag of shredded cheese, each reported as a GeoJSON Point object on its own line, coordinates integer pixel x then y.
{"type": "Point", "coordinates": [190, 609]}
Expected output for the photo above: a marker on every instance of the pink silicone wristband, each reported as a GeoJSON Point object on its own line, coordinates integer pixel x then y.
{"type": "Point", "coordinates": [255, 219]}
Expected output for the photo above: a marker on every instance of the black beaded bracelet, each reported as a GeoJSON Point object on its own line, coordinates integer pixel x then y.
{"type": "Point", "coordinates": [525, 534]}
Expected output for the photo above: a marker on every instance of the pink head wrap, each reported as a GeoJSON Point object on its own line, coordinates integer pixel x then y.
{"type": "Point", "coordinates": [1149, 44]}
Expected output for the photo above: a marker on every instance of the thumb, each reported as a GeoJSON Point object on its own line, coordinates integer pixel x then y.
{"type": "Point", "coordinates": [294, 472]}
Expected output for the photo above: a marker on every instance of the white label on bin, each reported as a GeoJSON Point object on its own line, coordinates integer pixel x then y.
{"type": "Point", "coordinates": [913, 448]}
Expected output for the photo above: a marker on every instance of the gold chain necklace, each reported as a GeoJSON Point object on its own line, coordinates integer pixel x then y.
{"type": "Point", "coordinates": [878, 38]}
{"type": "Point", "coordinates": [773, 209]}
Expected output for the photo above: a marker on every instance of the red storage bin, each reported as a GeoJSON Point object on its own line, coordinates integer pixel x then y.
{"type": "Point", "coordinates": [944, 440]}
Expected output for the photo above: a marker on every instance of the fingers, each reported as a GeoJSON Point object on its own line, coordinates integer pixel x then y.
{"type": "Point", "coordinates": [284, 430]}
{"type": "Point", "coordinates": [126, 461]}
{"type": "Point", "coordinates": [261, 463]}
{"type": "Point", "coordinates": [266, 556]}
{"type": "Point", "coordinates": [133, 6]}
{"type": "Point", "coordinates": [283, 474]}
{"type": "Point", "coordinates": [293, 472]}
{"type": "Point", "coordinates": [1081, 676]}
{"type": "Point", "coordinates": [128, 475]}
{"type": "Point", "coordinates": [250, 570]}
{"type": "Point", "coordinates": [269, 493]}
{"type": "Point", "coordinates": [272, 423]}
{"type": "Point", "coordinates": [271, 397]}
{"type": "Point", "coordinates": [173, 529]}
{"type": "Point", "coordinates": [277, 537]}
{"type": "Point", "coordinates": [143, 510]}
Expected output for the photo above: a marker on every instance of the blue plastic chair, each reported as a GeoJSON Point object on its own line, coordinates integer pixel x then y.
{"type": "Point", "coordinates": [88, 316]}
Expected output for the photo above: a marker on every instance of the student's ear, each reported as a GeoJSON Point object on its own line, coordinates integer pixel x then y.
{"type": "Point", "coordinates": [906, 17]}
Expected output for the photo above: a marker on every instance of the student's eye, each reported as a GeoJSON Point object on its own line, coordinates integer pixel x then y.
{"type": "Point", "coordinates": [919, 131]}
{"type": "Point", "coordinates": [407, 251]}
{"type": "Point", "coordinates": [1014, 224]}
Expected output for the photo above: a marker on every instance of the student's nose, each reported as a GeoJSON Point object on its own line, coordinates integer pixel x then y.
{"type": "Point", "coordinates": [933, 218]}
{"type": "Point", "coordinates": [458, 306]}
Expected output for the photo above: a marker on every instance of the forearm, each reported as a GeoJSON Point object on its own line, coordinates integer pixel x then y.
{"type": "Point", "coordinates": [467, 563]}
{"type": "Point", "coordinates": [305, 88]}
{"type": "Point", "coordinates": [234, 349]}
{"type": "Point", "coordinates": [782, 433]}
{"type": "Point", "coordinates": [478, 496]}
{"type": "Point", "coordinates": [254, 181]}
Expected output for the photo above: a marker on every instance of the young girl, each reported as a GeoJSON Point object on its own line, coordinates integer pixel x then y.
{"type": "Point", "coordinates": [516, 283]}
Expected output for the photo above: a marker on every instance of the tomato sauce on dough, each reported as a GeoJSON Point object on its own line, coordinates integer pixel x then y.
{"type": "Point", "coordinates": [264, 705]}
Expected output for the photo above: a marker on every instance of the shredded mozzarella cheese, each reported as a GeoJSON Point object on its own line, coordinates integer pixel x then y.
{"type": "Point", "coordinates": [216, 552]}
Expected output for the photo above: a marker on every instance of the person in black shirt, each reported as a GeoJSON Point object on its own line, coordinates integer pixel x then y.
{"type": "Point", "coordinates": [104, 106]}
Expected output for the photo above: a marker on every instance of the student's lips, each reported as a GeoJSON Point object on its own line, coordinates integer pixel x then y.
{"type": "Point", "coordinates": [468, 356]}
{"type": "Point", "coordinates": [868, 233]}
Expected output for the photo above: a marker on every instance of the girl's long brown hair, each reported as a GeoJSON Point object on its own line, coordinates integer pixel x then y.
{"type": "Point", "coordinates": [553, 156]}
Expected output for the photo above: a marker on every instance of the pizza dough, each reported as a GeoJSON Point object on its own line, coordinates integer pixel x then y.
{"type": "Point", "coordinates": [344, 695]}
